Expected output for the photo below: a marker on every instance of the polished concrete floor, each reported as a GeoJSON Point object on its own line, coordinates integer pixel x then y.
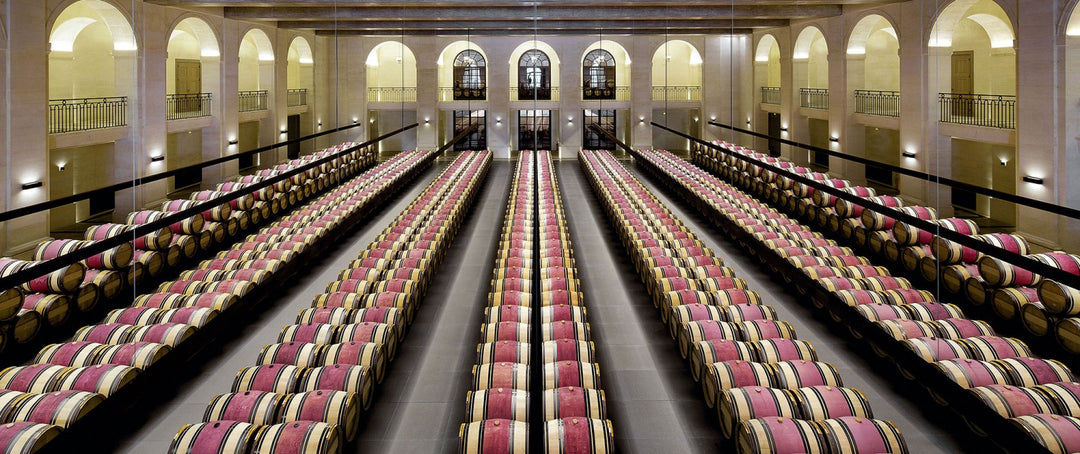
{"type": "Point", "coordinates": [653, 403]}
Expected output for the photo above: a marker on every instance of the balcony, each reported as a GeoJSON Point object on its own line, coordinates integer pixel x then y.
{"type": "Point", "coordinates": [185, 106]}
{"type": "Point", "coordinates": [296, 97]}
{"type": "Point", "coordinates": [877, 102]}
{"type": "Point", "coordinates": [814, 98]}
{"type": "Point", "coordinates": [524, 93]}
{"type": "Point", "coordinates": [607, 93]}
{"type": "Point", "coordinates": [391, 94]}
{"type": "Point", "coordinates": [770, 95]}
{"type": "Point", "coordinates": [84, 114]}
{"type": "Point", "coordinates": [676, 93]}
{"type": "Point", "coordinates": [463, 94]}
{"type": "Point", "coordinates": [989, 111]}
{"type": "Point", "coordinates": [252, 101]}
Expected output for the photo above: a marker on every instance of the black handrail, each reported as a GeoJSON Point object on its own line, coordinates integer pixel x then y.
{"type": "Point", "coordinates": [50, 204]}
{"type": "Point", "coordinates": [48, 266]}
{"type": "Point", "coordinates": [1010, 257]}
{"type": "Point", "coordinates": [1028, 202]}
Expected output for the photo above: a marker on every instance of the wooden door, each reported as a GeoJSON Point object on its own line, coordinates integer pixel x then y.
{"type": "Point", "coordinates": [188, 82]}
{"type": "Point", "coordinates": [963, 82]}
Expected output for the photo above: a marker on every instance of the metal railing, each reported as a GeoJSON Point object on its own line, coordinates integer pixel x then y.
{"type": "Point", "coordinates": [251, 101]}
{"type": "Point", "coordinates": [462, 94]}
{"type": "Point", "coordinates": [814, 98]}
{"type": "Point", "coordinates": [608, 93]}
{"type": "Point", "coordinates": [190, 105]}
{"type": "Point", "coordinates": [391, 94]}
{"type": "Point", "coordinates": [530, 93]}
{"type": "Point", "coordinates": [296, 97]}
{"type": "Point", "coordinates": [676, 93]}
{"type": "Point", "coordinates": [991, 111]}
{"type": "Point", "coordinates": [770, 95]}
{"type": "Point", "coordinates": [84, 114]}
{"type": "Point", "coordinates": [877, 102]}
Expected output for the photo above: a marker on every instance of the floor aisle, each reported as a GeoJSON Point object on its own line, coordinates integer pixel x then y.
{"type": "Point", "coordinates": [422, 402]}
{"type": "Point", "coordinates": [215, 376]}
{"type": "Point", "coordinates": [921, 432]}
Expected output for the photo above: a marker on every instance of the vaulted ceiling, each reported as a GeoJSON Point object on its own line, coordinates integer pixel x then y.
{"type": "Point", "coordinates": [549, 17]}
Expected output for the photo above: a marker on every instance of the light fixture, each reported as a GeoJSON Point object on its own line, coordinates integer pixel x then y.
{"type": "Point", "coordinates": [427, 121]}
{"type": "Point", "coordinates": [284, 131]}
{"type": "Point", "coordinates": [233, 141]}
{"type": "Point", "coordinates": [784, 129]}
{"type": "Point", "coordinates": [498, 121]}
{"type": "Point", "coordinates": [61, 166]}
{"type": "Point", "coordinates": [909, 154]}
{"type": "Point", "coordinates": [1003, 162]}
{"type": "Point", "coordinates": [1027, 179]}
{"type": "Point", "coordinates": [32, 185]}
{"type": "Point", "coordinates": [834, 139]}
{"type": "Point", "coordinates": [320, 124]}
{"type": "Point", "coordinates": [712, 117]}
{"type": "Point", "coordinates": [157, 158]}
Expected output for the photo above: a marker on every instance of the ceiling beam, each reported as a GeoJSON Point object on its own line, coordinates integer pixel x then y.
{"type": "Point", "coordinates": [527, 32]}
{"type": "Point", "coordinates": [519, 25]}
{"type": "Point", "coordinates": [561, 12]}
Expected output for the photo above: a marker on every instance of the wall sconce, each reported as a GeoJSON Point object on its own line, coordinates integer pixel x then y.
{"type": "Point", "coordinates": [641, 120]}
{"type": "Point", "coordinates": [427, 121]}
{"type": "Point", "coordinates": [61, 166]}
{"type": "Point", "coordinates": [233, 141]}
{"type": "Point", "coordinates": [1003, 162]}
{"type": "Point", "coordinates": [320, 124]}
{"type": "Point", "coordinates": [1027, 179]}
{"type": "Point", "coordinates": [371, 120]}
{"type": "Point", "coordinates": [157, 158]}
{"type": "Point", "coordinates": [783, 129]}
{"type": "Point", "coordinates": [32, 185]}
{"type": "Point", "coordinates": [908, 154]}
{"type": "Point", "coordinates": [284, 131]}
{"type": "Point", "coordinates": [712, 117]}
{"type": "Point", "coordinates": [834, 139]}
{"type": "Point", "coordinates": [498, 121]}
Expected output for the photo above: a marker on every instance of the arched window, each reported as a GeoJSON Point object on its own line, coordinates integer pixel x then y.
{"type": "Point", "coordinates": [470, 71]}
{"type": "Point", "coordinates": [599, 70]}
{"type": "Point", "coordinates": [534, 75]}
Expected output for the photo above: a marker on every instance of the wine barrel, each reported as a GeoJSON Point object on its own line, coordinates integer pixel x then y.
{"type": "Point", "coordinates": [927, 312]}
{"type": "Point", "coordinates": [1064, 396]}
{"type": "Point", "coordinates": [300, 437]}
{"type": "Point", "coordinates": [319, 334]}
{"type": "Point", "coordinates": [497, 403]}
{"type": "Point", "coordinates": [503, 352]}
{"type": "Point", "coordinates": [108, 282]}
{"type": "Point", "coordinates": [574, 401]}
{"type": "Point", "coordinates": [255, 407]}
{"type": "Point", "coordinates": [818, 403]}
{"type": "Point", "coordinates": [568, 350]}
{"type": "Point", "coordinates": [800, 374]}
{"type": "Point", "coordinates": [70, 354]}
{"type": "Point", "coordinates": [777, 350]}
{"type": "Point", "coordinates": [1067, 332]}
{"type": "Point", "coordinates": [60, 408]}
{"type": "Point", "coordinates": [571, 373]}
{"type": "Point", "coordinates": [577, 435]}
{"type": "Point", "coordinates": [221, 437]}
{"type": "Point", "coordinates": [1059, 299]}
{"type": "Point", "coordinates": [54, 309]}
{"type": "Point", "coordinates": [988, 348]}
{"type": "Point", "coordinates": [706, 330]}
{"type": "Point", "coordinates": [153, 241]}
{"type": "Point", "coordinates": [218, 213]}
{"type": "Point", "coordinates": [110, 334]}
{"type": "Point", "coordinates": [725, 375]}
{"type": "Point", "coordinates": [1008, 302]}
{"type": "Point", "coordinates": [275, 378]}
{"type": "Point", "coordinates": [879, 312]}
{"type": "Point", "coordinates": [738, 405]}
{"type": "Point", "coordinates": [932, 349]}
{"type": "Point", "coordinates": [493, 436]}
{"type": "Point", "coordinates": [497, 375]}
{"type": "Point", "coordinates": [1012, 401]}
{"type": "Point", "coordinates": [855, 434]}
{"type": "Point", "coordinates": [510, 331]}
{"type": "Point", "coordinates": [26, 437]}
{"type": "Point", "coordinates": [116, 258]}
{"type": "Point", "coordinates": [562, 312]}
{"type": "Point", "coordinates": [64, 280]}
{"type": "Point", "coordinates": [139, 355]}
{"type": "Point", "coordinates": [565, 330]}
{"type": "Point", "coordinates": [970, 373]}
{"type": "Point", "coordinates": [332, 407]}
{"type": "Point", "coordinates": [907, 329]}
{"type": "Point", "coordinates": [781, 435]}
{"type": "Point", "coordinates": [366, 354]}
{"type": "Point", "coordinates": [11, 301]}
{"type": "Point", "coordinates": [959, 328]}
{"type": "Point", "coordinates": [755, 330]}
{"type": "Point", "coordinates": [104, 379]}
{"type": "Point", "coordinates": [171, 334]}
{"type": "Point", "coordinates": [300, 354]}
{"type": "Point", "coordinates": [1027, 371]}
{"type": "Point", "coordinates": [339, 377]}
{"type": "Point", "coordinates": [1058, 434]}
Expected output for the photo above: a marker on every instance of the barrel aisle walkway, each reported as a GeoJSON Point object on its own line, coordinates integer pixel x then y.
{"type": "Point", "coordinates": [189, 399]}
